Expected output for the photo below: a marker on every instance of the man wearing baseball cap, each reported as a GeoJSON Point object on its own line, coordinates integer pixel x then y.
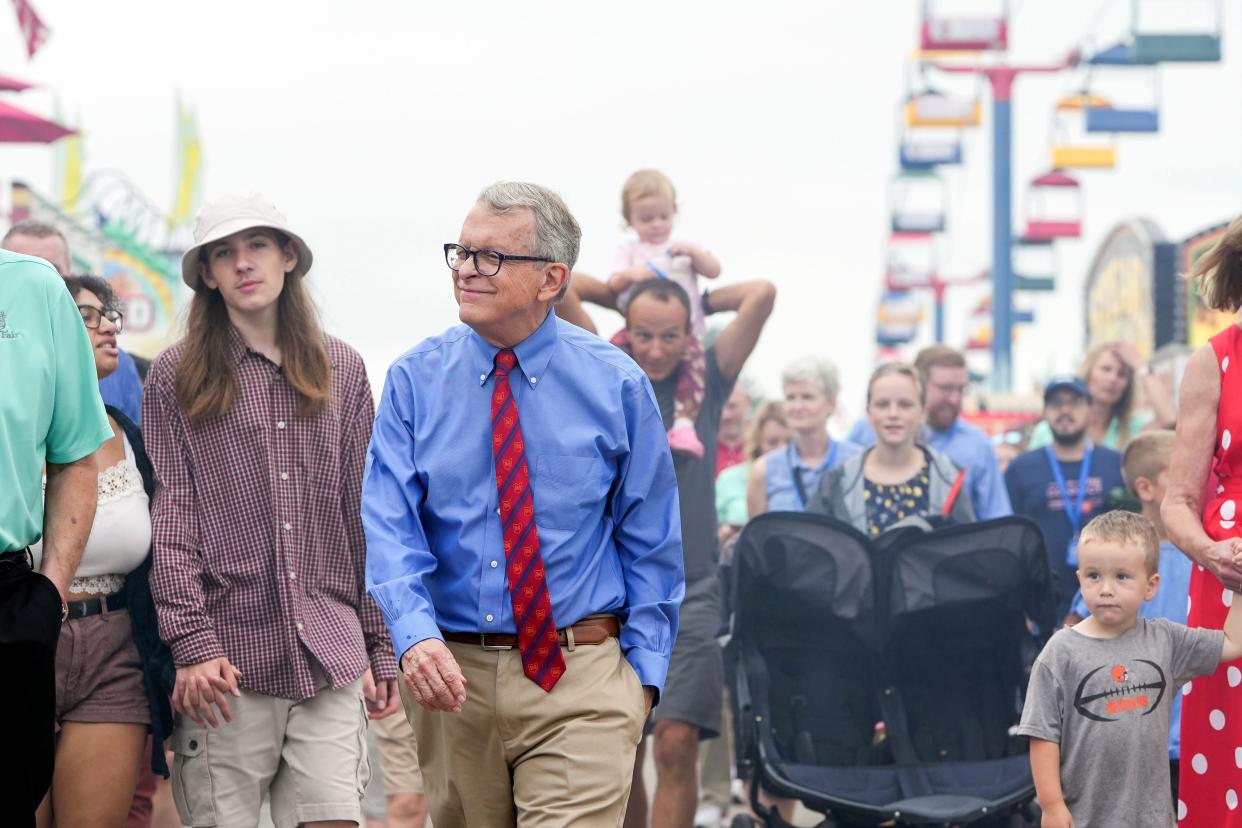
{"type": "Point", "coordinates": [1063, 485]}
{"type": "Point", "coordinates": [257, 424]}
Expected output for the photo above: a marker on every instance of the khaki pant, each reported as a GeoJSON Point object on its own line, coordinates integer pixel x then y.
{"type": "Point", "coordinates": [517, 756]}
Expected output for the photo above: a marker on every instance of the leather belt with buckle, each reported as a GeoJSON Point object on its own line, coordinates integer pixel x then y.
{"type": "Point", "coordinates": [594, 629]}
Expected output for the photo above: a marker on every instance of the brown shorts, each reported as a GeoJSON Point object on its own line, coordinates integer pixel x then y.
{"type": "Point", "coordinates": [98, 672]}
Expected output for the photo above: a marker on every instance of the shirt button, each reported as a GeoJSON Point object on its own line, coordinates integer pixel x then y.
{"type": "Point", "coordinates": [482, 377]}
{"type": "Point", "coordinates": [489, 617]}
{"type": "Point", "coordinates": [497, 511]}
{"type": "Point", "coordinates": [534, 380]}
{"type": "Point", "coordinates": [293, 576]}
{"type": "Point", "coordinates": [299, 626]}
{"type": "Point", "coordinates": [280, 423]}
{"type": "Point", "coordinates": [493, 564]}
{"type": "Point", "coordinates": [288, 527]}
{"type": "Point", "coordinates": [284, 475]}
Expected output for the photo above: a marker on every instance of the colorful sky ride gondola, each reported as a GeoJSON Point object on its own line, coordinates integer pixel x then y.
{"type": "Point", "coordinates": [1072, 148]}
{"type": "Point", "coordinates": [1130, 97]}
{"type": "Point", "coordinates": [1034, 265]}
{"type": "Point", "coordinates": [918, 199]}
{"type": "Point", "coordinates": [1054, 207]}
{"type": "Point", "coordinates": [944, 28]}
{"type": "Point", "coordinates": [1177, 31]}
{"type": "Point", "coordinates": [912, 261]}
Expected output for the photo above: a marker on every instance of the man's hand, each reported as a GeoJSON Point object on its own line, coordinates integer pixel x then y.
{"type": "Point", "coordinates": [1057, 816]}
{"type": "Point", "coordinates": [649, 695]}
{"type": "Point", "coordinates": [433, 677]}
{"type": "Point", "coordinates": [381, 699]}
{"type": "Point", "coordinates": [201, 685]}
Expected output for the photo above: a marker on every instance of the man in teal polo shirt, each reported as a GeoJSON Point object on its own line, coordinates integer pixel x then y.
{"type": "Point", "coordinates": [51, 419]}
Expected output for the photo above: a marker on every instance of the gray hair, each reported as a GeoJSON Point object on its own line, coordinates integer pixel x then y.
{"type": "Point", "coordinates": [35, 229]}
{"type": "Point", "coordinates": [817, 370]}
{"type": "Point", "coordinates": [557, 234]}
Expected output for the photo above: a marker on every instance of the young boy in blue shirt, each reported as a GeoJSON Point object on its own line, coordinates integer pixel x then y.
{"type": "Point", "coordinates": [1145, 467]}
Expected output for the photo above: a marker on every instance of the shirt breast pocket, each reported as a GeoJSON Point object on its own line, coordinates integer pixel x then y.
{"type": "Point", "coordinates": [567, 489]}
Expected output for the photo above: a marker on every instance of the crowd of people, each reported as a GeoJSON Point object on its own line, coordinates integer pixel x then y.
{"type": "Point", "coordinates": [235, 565]}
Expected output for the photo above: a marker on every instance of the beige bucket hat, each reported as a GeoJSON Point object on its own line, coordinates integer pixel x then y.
{"type": "Point", "coordinates": [231, 214]}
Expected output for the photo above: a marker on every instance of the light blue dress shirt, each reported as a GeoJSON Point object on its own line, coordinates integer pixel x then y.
{"type": "Point", "coordinates": [601, 474]}
{"type": "Point", "coordinates": [783, 495]}
{"type": "Point", "coordinates": [969, 448]}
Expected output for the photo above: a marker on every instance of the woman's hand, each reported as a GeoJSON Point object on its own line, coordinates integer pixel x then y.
{"type": "Point", "coordinates": [1128, 353]}
{"type": "Point", "coordinates": [1223, 559]}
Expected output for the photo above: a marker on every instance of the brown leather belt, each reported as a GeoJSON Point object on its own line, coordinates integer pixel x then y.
{"type": "Point", "coordinates": [594, 629]}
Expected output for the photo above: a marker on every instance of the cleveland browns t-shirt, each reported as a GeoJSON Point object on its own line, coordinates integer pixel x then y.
{"type": "Point", "coordinates": [1106, 702]}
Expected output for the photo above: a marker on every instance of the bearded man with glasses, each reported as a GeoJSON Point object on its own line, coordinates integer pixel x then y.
{"type": "Point", "coordinates": [523, 536]}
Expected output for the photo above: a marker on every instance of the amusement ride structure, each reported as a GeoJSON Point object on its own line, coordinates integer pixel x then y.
{"type": "Point", "coordinates": [1118, 94]}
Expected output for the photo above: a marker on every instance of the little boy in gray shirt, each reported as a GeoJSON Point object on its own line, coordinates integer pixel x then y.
{"type": "Point", "coordinates": [1097, 708]}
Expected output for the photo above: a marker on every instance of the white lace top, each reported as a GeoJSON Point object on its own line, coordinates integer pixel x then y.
{"type": "Point", "coordinates": [121, 534]}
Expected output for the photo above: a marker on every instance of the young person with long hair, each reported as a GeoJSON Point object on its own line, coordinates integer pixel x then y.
{"type": "Point", "coordinates": [257, 423]}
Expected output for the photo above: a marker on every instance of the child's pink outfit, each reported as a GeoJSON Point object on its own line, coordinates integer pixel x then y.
{"type": "Point", "coordinates": [656, 258]}
{"type": "Point", "coordinates": [692, 372]}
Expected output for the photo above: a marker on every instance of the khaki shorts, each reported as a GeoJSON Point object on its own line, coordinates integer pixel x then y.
{"type": "Point", "coordinates": [314, 753]}
{"type": "Point", "coordinates": [398, 752]}
{"type": "Point", "coordinates": [99, 673]}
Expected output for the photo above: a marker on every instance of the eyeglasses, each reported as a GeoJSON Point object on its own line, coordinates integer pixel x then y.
{"type": "Point", "coordinates": [93, 316]}
{"type": "Point", "coordinates": [486, 262]}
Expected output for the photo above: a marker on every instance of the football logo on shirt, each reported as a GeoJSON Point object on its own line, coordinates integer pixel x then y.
{"type": "Point", "coordinates": [1134, 689]}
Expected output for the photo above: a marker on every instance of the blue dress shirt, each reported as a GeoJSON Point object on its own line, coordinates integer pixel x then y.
{"type": "Point", "coordinates": [601, 474]}
{"type": "Point", "coordinates": [123, 388]}
{"type": "Point", "coordinates": [968, 446]}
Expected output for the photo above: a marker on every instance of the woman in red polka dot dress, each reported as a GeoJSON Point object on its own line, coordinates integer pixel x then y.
{"type": "Point", "coordinates": [1203, 516]}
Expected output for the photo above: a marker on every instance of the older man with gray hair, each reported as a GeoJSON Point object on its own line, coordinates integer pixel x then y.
{"type": "Point", "coordinates": [523, 535]}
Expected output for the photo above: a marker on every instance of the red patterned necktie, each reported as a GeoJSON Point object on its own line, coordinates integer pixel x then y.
{"type": "Point", "coordinates": [542, 659]}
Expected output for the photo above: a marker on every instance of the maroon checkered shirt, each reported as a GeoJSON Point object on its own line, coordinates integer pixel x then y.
{"type": "Point", "coordinates": [258, 544]}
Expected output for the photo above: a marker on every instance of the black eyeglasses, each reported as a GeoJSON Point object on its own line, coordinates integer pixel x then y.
{"type": "Point", "coordinates": [92, 316]}
{"type": "Point", "coordinates": [486, 262]}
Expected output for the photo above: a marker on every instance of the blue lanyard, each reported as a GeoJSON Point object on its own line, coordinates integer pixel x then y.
{"type": "Point", "coordinates": [1075, 514]}
{"type": "Point", "coordinates": [795, 470]}
{"type": "Point", "coordinates": [655, 270]}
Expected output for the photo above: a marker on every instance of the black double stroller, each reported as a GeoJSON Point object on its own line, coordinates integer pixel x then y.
{"type": "Point", "coordinates": [878, 680]}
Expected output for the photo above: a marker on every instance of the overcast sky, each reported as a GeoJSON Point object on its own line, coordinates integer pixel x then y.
{"type": "Point", "coordinates": [373, 125]}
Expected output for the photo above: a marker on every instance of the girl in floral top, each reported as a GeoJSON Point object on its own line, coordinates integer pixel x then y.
{"type": "Point", "coordinates": [899, 477]}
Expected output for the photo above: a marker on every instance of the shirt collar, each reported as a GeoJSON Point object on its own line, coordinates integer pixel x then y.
{"type": "Point", "coordinates": [533, 353]}
{"type": "Point", "coordinates": [795, 457]}
{"type": "Point", "coordinates": [237, 345]}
